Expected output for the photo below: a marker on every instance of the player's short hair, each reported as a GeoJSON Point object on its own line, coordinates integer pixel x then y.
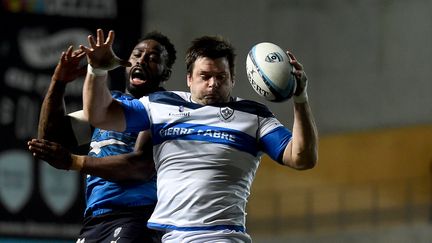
{"type": "Point", "coordinates": [165, 42]}
{"type": "Point", "coordinates": [212, 47]}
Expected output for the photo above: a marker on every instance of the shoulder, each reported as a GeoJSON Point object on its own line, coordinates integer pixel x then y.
{"type": "Point", "coordinates": [251, 107]}
{"type": "Point", "coordinates": [178, 95]}
{"type": "Point", "coordinates": [177, 98]}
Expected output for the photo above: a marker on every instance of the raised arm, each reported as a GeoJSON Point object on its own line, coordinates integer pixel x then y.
{"type": "Point", "coordinates": [99, 107]}
{"type": "Point", "coordinates": [302, 151]}
{"type": "Point", "coordinates": [53, 123]}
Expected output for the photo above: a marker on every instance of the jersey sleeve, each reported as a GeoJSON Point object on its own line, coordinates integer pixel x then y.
{"type": "Point", "coordinates": [274, 138]}
{"type": "Point", "coordinates": [136, 114]}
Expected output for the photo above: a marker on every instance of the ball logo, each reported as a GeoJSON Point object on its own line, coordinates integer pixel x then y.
{"type": "Point", "coordinates": [274, 57]}
{"type": "Point", "coordinates": [255, 86]}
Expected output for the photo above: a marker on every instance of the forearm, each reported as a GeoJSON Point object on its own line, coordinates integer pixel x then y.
{"type": "Point", "coordinates": [96, 95]}
{"type": "Point", "coordinates": [52, 110]}
{"type": "Point", "coordinates": [53, 124]}
{"type": "Point", "coordinates": [125, 167]}
{"type": "Point", "coordinates": [99, 107]}
{"type": "Point", "coordinates": [303, 150]}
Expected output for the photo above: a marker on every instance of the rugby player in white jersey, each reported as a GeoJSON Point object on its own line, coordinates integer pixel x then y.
{"type": "Point", "coordinates": [207, 144]}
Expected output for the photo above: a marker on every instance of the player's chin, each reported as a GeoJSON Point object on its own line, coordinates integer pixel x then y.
{"type": "Point", "coordinates": [143, 88]}
{"type": "Point", "coordinates": [212, 99]}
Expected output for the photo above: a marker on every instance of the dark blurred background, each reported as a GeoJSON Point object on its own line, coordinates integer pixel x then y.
{"type": "Point", "coordinates": [369, 70]}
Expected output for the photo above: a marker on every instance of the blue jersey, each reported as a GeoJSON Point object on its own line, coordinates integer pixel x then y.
{"type": "Point", "coordinates": [104, 196]}
{"type": "Point", "coordinates": [206, 157]}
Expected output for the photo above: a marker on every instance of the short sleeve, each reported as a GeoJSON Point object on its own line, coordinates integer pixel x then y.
{"type": "Point", "coordinates": [136, 115]}
{"type": "Point", "coordinates": [275, 142]}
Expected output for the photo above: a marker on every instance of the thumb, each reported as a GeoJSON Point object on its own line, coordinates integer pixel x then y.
{"type": "Point", "coordinates": [124, 63]}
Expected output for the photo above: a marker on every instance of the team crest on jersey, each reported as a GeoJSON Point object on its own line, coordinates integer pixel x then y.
{"type": "Point", "coordinates": [226, 114]}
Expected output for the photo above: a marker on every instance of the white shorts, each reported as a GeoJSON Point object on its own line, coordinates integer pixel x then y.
{"type": "Point", "coordinates": [206, 236]}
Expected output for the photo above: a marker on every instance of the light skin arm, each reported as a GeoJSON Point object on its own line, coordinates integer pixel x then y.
{"type": "Point", "coordinates": [99, 107]}
{"type": "Point", "coordinates": [302, 151]}
{"type": "Point", "coordinates": [53, 124]}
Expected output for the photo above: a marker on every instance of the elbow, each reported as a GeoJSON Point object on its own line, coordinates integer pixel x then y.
{"type": "Point", "coordinates": [305, 162]}
{"type": "Point", "coordinates": [147, 176]}
{"type": "Point", "coordinates": [310, 161]}
{"type": "Point", "coordinates": [306, 165]}
{"type": "Point", "coordinates": [141, 166]}
{"type": "Point", "coordinates": [134, 176]}
{"type": "Point", "coordinates": [306, 159]}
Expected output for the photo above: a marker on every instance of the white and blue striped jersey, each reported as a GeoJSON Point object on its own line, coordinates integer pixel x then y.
{"type": "Point", "coordinates": [103, 196]}
{"type": "Point", "coordinates": [206, 157]}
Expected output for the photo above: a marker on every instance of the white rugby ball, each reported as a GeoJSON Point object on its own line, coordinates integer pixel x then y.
{"type": "Point", "coordinates": [269, 70]}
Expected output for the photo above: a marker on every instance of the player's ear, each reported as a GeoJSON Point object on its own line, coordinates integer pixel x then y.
{"type": "Point", "coordinates": [233, 81]}
{"type": "Point", "coordinates": [188, 78]}
{"type": "Point", "coordinates": [166, 74]}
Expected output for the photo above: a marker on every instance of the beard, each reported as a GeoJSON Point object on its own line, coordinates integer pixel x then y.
{"type": "Point", "coordinates": [143, 89]}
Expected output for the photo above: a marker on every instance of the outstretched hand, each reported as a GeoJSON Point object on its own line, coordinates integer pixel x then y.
{"type": "Point", "coordinates": [53, 153]}
{"type": "Point", "coordinates": [299, 73]}
{"type": "Point", "coordinates": [68, 68]}
{"type": "Point", "coordinates": [100, 54]}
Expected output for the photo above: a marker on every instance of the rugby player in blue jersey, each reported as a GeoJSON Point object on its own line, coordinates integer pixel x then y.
{"type": "Point", "coordinates": [115, 211]}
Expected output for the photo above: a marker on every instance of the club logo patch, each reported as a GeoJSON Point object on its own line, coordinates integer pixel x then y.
{"type": "Point", "coordinates": [59, 190]}
{"type": "Point", "coordinates": [16, 179]}
{"type": "Point", "coordinates": [226, 113]}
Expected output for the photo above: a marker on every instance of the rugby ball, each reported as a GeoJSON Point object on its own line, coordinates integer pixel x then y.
{"type": "Point", "coordinates": [269, 70]}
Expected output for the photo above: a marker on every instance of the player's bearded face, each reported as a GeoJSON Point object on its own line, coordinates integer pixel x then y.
{"type": "Point", "coordinates": [148, 65]}
{"type": "Point", "coordinates": [210, 81]}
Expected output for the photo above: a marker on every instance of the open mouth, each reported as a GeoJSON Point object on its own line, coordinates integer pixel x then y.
{"type": "Point", "coordinates": [138, 76]}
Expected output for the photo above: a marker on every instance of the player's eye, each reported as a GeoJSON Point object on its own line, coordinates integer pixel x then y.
{"type": "Point", "coordinates": [221, 77]}
{"type": "Point", "coordinates": [136, 54]}
{"type": "Point", "coordinates": [154, 58]}
{"type": "Point", "coordinates": [205, 77]}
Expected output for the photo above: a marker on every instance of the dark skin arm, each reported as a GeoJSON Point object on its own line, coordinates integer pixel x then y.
{"type": "Point", "coordinates": [137, 165]}
{"type": "Point", "coordinates": [56, 136]}
{"type": "Point", "coordinates": [53, 123]}
{"type": "Point", "coordinates": [134, 166]}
